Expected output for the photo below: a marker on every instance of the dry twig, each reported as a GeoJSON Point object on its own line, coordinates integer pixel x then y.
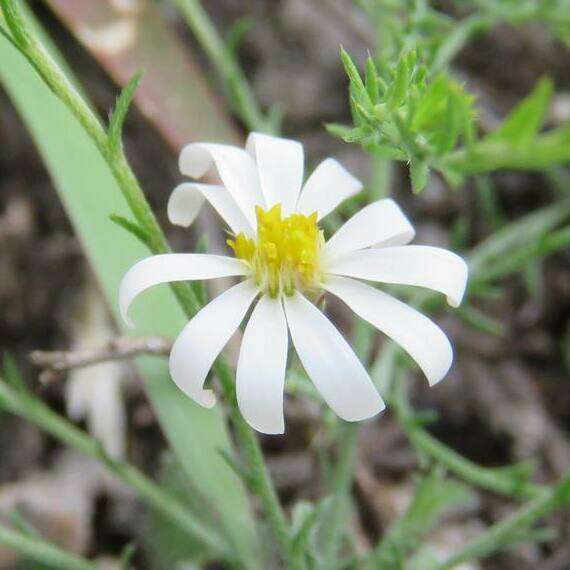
{"type": "Point", "coordinates": [56, 364]}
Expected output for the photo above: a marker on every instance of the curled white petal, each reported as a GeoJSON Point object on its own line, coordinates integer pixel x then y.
{"type": "Point", "coordinates": [421, 338]}
{"type": "Point", "coordinates": [330, 362]}
{"type": "Point", "coordinates": [280, 167]}
{"type": "Point", "coordinates": [381, 223]}
{"type": "Point", "coordinates": [236, 168]}
{"type": "Point", "coordinates": [419, 265]}
{"type": "Point", "coordinates": [204, 337]}
{"type": "Point", "coordinates": [185, 204]}
{"type": "Point", "coordinates": [260, 376]}
{"type": "Point", "coordinates": [171, 267]}
{"type": "Point", "coordinates": [187, 199]}
{"type": "Point", "coordinates": [327, 187]}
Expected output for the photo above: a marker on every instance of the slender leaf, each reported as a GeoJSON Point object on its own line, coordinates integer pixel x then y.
{"type": "Point", "coordinates": [122, 108]}
{"type": "Point", "coordinates": [90, 196]}
{"type": "Point", "coordinates": [527, 118]}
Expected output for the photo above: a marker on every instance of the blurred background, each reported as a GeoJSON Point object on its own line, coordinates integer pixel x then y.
{"type": "Point", "coordinates": [507, 398]}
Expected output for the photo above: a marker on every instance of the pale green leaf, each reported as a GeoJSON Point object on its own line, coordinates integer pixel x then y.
{"type": "Point", "coordinates": [90, 195]}
{"type": "Point", "coordinates": [526, 120]}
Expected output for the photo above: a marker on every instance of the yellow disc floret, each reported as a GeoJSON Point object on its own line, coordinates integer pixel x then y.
{"type": "Point", "coordinates": [286, 255]}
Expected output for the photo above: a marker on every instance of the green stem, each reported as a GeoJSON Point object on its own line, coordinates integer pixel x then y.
{"type": "Point", "coordinates": [456, 463]}
{"type": "Point", "coordinates": [129, 185]}
{"type": "Point", "coordinates": [504, 532]}
{"type": "Point", "coordinates": [339, 489]}
{"type": "Point", "coordinates": [550, 243]}
{"type": "Point", "coordinates": [343, 470]}
{"type": "Point", "coordinates": [259, 478]}
{"type": "Point", "coordinates": [227, 67]}
{"type": "Point", "coordinates": [42, 551]}
{"type": "Point", "coordinates": [547, 150]}
{"type": "Point", "coordinates": [36, 412]}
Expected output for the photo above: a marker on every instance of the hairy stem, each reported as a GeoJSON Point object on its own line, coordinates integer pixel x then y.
{"type": "Point", "coordinates": [259, 478]}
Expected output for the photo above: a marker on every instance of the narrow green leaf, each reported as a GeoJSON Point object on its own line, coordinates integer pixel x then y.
{"type": "Point", "coordinates": [419, 173]}
{"type": "Point", "coordinates": [397, 91]}
{"type": "Point", "coordinates": [434, 494]}
{"type": "Point", "coordinates": [127, 556]}
{"type": "Point", "coordinates": [237, 32]}
{"type": "Point", "coordinates": [525, 121]}
{"type": "Point", "coordinates": [526, 230]}
{"type": "Point", "coordinates": [454, 120]}
{"type": "Point", "coordinates": [132, 227]}
{"type": "Point", "coordinates": [12, 374]}
{"type": "Point", "coordinates": [121, 109]}
{"type": "Point", "coordinates": [356, 82]}
{"type": "Point", "coordinates": [90, 195]}
{"type": "Point", "coordinates": [15, 22]}
{"type": "Point", "coordinates": [372, 86]}
{"type": "Point", "coordinates": [480, 321]}
{"type": "Point", "coordinates": [305, 517]}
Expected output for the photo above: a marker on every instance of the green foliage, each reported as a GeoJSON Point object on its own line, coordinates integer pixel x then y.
{"type": "Point", "coordinates": [15, 23]}
{"type": "Point", "coordinates": [127, 556]}
{"type": "Point", "coordinates": [524, 122]}
{"type": "Point", "coordinates": [304, 525]}
{"type": "Point", "coordinates": [403, 24]}
{"type": "Point", "coordinates": [402, 112]}
{"type": "Point", "coordinates": [407, 106]}
{"type": "Point", "coordinates": [69, 153]}
{"type": "Point", "coordinates": [131, 227]}
{"type": "Point", "coordinates": [164, 542]}
{"type": "Point", "coordinates": [555, 14]}
{"type": "Point", "coordinates": [434, 494]}
{"type": "Point", "coordinates": [120, 113]}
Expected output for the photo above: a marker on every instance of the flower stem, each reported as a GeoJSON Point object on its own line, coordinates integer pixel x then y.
{"type": "Point", "coordinates": [43, 552]}
{"type": "Point", "coordinates": [259, 478]}
{"type": "Point", "coordinates": [340, 488]}
{"type": "Point", "coordinates": [343, 471]}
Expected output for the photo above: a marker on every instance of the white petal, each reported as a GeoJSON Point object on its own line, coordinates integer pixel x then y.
{"type": "Point", "coordinates": [280, 166]}
{"type": "Point", "coordinates": [171, 267]}
{"type": "Point", "coordinates": [330, 362]}
{"type": "Point", "coordinates": [327, 187]}
{"type": "Point", "coordinates": [261, 367]}
{"type": "Point", "coordinates": [378, 224]}
{"type": "Point", "coordinates": [236, 169]}
{"type": "Point", "coordinates": [204, 337]}
{"type": "Point", "coordinates": [422, 339]}
{"type": "Point", "coordinates": [420, 265]}
{"type": "Point", "coordinates": [187, 199]}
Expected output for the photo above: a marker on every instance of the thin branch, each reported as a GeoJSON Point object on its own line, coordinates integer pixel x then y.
{"type": "Point", "coordinates": [56, 364]}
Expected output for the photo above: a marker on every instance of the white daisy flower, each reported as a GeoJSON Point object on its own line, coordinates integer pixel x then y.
{"type": "Point", "coordinates": [285, 262]}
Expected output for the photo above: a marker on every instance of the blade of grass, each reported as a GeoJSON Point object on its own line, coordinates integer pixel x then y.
{"type": "Point", "coordinates": [90, 195]}
{"type": "Point", "coordinates": [42, 551]}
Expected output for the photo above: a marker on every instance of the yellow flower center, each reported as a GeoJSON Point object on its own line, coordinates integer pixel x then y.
{"type": "Point", "coordinates": [286, 254]}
